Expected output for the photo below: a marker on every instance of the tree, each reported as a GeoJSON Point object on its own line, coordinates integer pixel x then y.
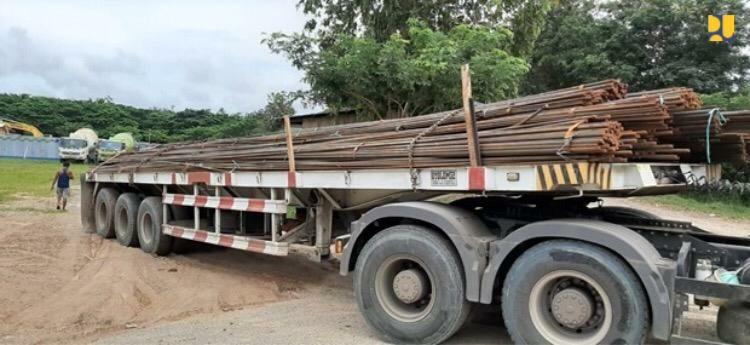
{"type": "Point", "coordinates": [279, 104]}
{"type": "Point", "coordinates": [648, 43]}
{"type": "Point", "coordinates": [729, 100]}
{"type": "Point", "coordinates": [406, 76]}
{"type": "Point", "coordinates": [379, 19]}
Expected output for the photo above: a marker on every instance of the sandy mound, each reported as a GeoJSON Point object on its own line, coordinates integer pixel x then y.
{"type": "Point", "coordinates": [60, 284]}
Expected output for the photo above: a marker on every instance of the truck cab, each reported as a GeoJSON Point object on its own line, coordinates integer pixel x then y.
{"type": "Point", "coordinates": [73, 149]}
{"type": "Point", "coordinates": [108, 149]}
{"type": "Point", "coordinates": [79, 146]}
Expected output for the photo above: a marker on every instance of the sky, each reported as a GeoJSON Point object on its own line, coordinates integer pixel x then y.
{"type": "Point", "coordinates": [167, 53]}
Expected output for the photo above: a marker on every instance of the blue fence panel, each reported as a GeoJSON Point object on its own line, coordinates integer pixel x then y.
{"type": "Point", "coordinates": [27, 147]}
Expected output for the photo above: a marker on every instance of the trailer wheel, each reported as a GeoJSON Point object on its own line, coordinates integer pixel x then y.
{"type": "Point", "coordinates": [733, 322]}
{"type": "Point", "coordinates": [568, 292]}
{"type": "Point", "coordinates": [150, 235]}
{"type": "Point", "coordinates": [104, 212]}
{"type": "Point", "coordinates": [126, 218]}
{"type": "Point", "coordinates": [409, 285]}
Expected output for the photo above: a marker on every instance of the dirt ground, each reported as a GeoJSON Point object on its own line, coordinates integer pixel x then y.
{"type": "Point", "coordinates": [60, 285]}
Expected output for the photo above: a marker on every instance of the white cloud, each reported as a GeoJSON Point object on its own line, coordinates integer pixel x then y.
{"type": "Point", "coordinates": [197, 54]}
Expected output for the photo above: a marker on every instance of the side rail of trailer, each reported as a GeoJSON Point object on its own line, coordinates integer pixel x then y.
{"type": "Point", "coordinates": [598, 178]}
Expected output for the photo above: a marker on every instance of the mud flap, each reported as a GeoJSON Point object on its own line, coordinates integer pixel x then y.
{"type": "Point", "coordinates": [87, 205]}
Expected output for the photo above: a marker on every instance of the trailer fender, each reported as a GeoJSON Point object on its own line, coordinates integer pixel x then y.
{"type": "Point", "coordinates": [465, 230]}
{"type": "Point", "coordinates": [655, 273]}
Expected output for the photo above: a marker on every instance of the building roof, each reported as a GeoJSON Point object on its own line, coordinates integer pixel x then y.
{"type": "Point", "coordinates": [297, 118]}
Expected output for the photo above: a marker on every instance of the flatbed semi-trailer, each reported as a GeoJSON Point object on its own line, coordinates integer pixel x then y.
{"type": "Point", "coordinates": [425, 245]}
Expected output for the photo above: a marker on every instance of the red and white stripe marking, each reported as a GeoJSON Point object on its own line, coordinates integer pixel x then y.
{"type": "Point", "coordinates": [229, 241]}
{"type": "Point", "coordinates": [227, 203]}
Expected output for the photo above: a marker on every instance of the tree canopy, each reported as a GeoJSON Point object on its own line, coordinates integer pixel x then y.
{"type": "Point", "coordinates": [648, 43]}
{"type": "Point", "coordinates": [59, 117]}
{"type": "Point", "coordinates": [379, 19]}
{"type": "Point", "coordinates": [409, 74]}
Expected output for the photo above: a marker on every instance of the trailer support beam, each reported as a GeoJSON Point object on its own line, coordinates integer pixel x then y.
{"type": "Point", "coordinates": [323, 225]}
{"type": "Point", "coordinates": [275, 219]}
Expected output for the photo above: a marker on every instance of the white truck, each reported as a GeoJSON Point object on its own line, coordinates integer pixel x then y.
{"type": "Point", "coordinates": [426, 245]}
{"type": "Point", "coordinates": [79, 146]}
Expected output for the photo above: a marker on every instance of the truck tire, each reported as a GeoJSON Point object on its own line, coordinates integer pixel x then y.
{"type": "Point", "coordinates": [104, 212]}
{"type": "Point", "coordinates": [569, 292]}
{"type": "Point", "coordinates": [409, 285]}
{"type": "Point", "coordinates": [150, 236]}
{"type": "Point", "coordinates": [733, 323]}
{"type": "Point", "coordinates": [126, 218]}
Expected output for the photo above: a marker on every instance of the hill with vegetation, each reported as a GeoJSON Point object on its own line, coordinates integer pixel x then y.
{"type": "Point", "coordinates": [59, 117]}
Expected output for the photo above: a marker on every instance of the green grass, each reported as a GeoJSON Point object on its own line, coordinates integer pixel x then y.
{"type": "Point", "coordinates": [721, 207]}
{"type": "Point", "coordinates": [30, 177]}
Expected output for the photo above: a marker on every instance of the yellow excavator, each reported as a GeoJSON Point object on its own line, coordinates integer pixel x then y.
{"type": "Point", "coordinates": [14, 127]}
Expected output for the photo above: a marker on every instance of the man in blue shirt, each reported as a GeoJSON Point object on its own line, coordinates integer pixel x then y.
{"type": "Point", "coordinates": [62, 181]}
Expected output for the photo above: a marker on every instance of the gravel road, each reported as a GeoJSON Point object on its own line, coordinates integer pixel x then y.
{"type": "Point", "coordinates": [326, 317]}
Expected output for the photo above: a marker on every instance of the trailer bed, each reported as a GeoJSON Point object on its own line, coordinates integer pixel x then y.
{"type": "Point", "coordinates": [587, 178]}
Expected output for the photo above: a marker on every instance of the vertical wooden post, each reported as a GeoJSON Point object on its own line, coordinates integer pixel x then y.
{"type": "Point", "coordinates": [289, 144]}
{"type": "Point", "coordinates": [475, 159]}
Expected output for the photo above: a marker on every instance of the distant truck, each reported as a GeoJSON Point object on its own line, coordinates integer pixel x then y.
{"type": "Point", "coordinates": [79, 146]}
{"type": "Point", "coordinates": [120, 142]}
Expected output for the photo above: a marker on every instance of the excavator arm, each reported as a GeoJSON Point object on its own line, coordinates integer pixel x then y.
{"type": "Point", "coordinates": [10, 126]}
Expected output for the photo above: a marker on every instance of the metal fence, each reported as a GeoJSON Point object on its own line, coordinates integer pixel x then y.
{"type": "Point", "coordinates": [28, 147]}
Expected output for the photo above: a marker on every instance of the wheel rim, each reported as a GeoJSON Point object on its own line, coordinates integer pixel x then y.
{"type": "Point", "coordinates": [147, 228]}
{"type": "Point", "coordinates": [570, 307]}
{"type": "Point", "coordinates": [404, 288]}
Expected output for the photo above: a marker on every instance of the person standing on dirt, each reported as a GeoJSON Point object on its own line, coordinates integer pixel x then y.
{"type": "Point", "coordinates": [62, 181]}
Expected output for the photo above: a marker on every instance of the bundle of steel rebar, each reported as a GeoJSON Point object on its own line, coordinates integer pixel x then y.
{"type": "Point", "coordinates": [692, 124]}
{"type": "Point", "coordinates": [590, 122]}
{"type": "Point", "coordinates": [712, 135]}
{"type": "Point", "coordinates": [674, 98]}
{"type": "Point", "coordinates": [738, 121]}
{"type": "Point", "coordinates": [722, 148]}
{"type": "Point", "coordinates": [583, 139]}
